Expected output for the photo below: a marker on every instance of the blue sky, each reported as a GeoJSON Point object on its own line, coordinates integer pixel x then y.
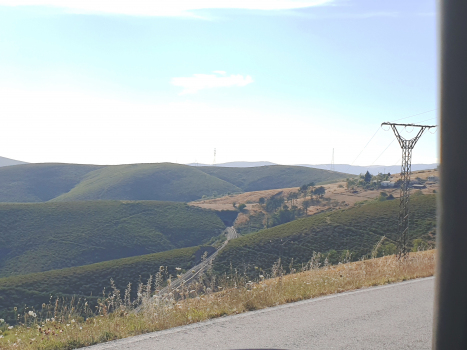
{"type": "Point", "coordinates": [284, 81]}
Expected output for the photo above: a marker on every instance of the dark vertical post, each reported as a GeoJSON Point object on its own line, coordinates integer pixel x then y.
{"type": "Point", "coordinates": [450, 319]}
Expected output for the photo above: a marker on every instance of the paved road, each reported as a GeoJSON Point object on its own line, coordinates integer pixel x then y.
{"type": "Point", "coordinates": [190, 275]}
{"type": "Point", "coordinates": [396, 316]}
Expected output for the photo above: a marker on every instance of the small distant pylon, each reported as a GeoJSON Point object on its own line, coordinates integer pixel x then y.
{"type": "Point", "coordinates": [332, 160]}
{"type": "Point", "coordinates": [214, 161]}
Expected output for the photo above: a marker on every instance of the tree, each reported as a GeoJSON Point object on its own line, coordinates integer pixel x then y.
{"type": "Point", "coordinates": [333, 257]}
{"type": "Point", "coordinates": [291, 196]}
{"type": "Point", "coordinates": [398, 183]}
{"type": "Point", "coordinates": [305, 205]}
{"type": "Point", "coordinates": [383, 196]}
{"type": "Point", "coordinates": [303, 190]}
{"type": "Point", "coordinates": [283, 216]}
{"type": "Point", "coordinates": [367, 177]}
{"type": "Point", "coordinates": [311, 185]}
{"type": "Point", "coordinates": [241, 207]}
{"type": "Point", "coordinates": [274, 202]}
{"type": "Point", "coordinates": [319, 191]}
{"type": "Point", "coordinates": [262, 200]}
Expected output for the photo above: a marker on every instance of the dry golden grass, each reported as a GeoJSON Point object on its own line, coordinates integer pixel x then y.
{"type": "Point", "coordinates": [198, 303]}
{"type": "Point", "coordinates": [226, 202]}
{"type": "Point", "coordinates": [336, 191]}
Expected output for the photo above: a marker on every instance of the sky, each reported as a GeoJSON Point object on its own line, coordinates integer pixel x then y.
{"type": "Point", "coordinates": [286, 81]}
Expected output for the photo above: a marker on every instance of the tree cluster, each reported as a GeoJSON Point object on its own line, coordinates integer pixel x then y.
{"type": "Point", "coordinates": [284, 209]}
{"type": "Point", "coordinates": [369, 181]}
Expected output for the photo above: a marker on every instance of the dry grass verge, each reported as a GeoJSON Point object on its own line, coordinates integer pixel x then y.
{"type": "Point", "coordinates": [68, 331]}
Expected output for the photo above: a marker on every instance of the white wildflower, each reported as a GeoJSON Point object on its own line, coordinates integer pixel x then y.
{"type": "Point", "coordinates": [11, 327]}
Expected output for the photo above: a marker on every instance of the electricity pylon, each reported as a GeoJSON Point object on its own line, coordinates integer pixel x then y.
{"type": "Point", "coordinates": [406, 169]}
{"type": "Point", "coordinates": [332, 160]}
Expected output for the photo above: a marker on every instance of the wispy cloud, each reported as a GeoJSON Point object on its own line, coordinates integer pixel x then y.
{"type": "Point", "coordinates": [163, 8]}
{"type": "Point", "coordinates": [192, 85]}
{"type": "Point", "coordinates": [361, 15]}
{"type": "Point", "coordinates": [426, 14]}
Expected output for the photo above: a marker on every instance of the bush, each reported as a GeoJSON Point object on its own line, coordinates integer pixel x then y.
{"type": "Point", "coordinates": [419, 244]}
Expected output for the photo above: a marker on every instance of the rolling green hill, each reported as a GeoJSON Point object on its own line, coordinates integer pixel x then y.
{"type": "Point", "coordinates": [45, 236]}
{"type": "Point", "coordinates": [357, 229]}
{"type": "Point", "coordinates": [40, 182]}
{"type": "Point", "coordinates": [271, 177]}
{"type": "Point", "coordinates": [86, 281]}
{"type": "Point", "coordinates": [161, 181]}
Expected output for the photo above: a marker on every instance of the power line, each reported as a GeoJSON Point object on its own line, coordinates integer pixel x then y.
{"type": "Point", "coordinates": [383, 152]}
{"type": "Point", "coordinates": [362, 149]}
{"type": "Point", "coordinates": [425, 120]}
{"type": "Point", "coordinates": [379, 127]}
{"type": "Point", "coordinates": [410, 116]}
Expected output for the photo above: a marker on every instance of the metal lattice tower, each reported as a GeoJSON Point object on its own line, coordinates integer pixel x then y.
{"type": "Point", "coordinates": [332, 160]}
{"type": "Point", "coordinates": [214, 161]}
{"type": "Point", "coordinates": [407, 147]}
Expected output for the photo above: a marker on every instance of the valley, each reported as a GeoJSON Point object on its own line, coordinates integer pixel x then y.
{"type": "Point", "coordinates": [85, 232]}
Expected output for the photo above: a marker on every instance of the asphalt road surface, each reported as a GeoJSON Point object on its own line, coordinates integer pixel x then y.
{"type": "Point", "coordinates": [395, 316]}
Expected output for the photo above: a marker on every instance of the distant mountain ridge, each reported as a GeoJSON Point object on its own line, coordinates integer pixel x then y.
{"type": "Point", "coordinates": [239, 164]}
{"type": "Point", "coordinates": [342, 168]}
{"type": "Point", "coordinates": [373, 169]}
{"type": "Point", "coordinates": [8, 162]}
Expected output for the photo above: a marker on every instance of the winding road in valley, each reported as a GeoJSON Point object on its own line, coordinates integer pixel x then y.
{"type": "Point", "coordinates": [395, 316]}
{"type": "Point", "coordinates": [197, 270]}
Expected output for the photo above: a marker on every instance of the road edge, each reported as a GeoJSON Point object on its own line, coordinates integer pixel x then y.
{"type": "Point", "coordinates": [141, 337]}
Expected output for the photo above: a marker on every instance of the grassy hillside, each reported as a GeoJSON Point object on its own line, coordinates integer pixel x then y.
{"type": "Point", "coordinates": [39, 182]}
{"type": "Point", "coordinates": [45, 236]}
{"type": "Point", "coordinates": [163, 181]}
{"type": "Point", "coordinates": [357, 229]}
{"type": "Point", "coordinates": [271, 177]}
{"type": "Point", "coordinates": [85, 281]}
